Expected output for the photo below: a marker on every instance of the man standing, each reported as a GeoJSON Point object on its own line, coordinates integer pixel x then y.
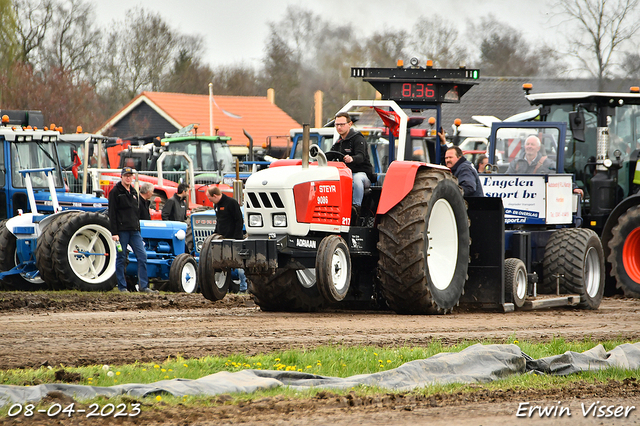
{"type": "Point", "coordinates": [124, 218]}
{"type": "Point", "coordinates": [146, 191]}
{"type": "Point", "coordinates": [229, 221]}
{"type": "Point", "coordinates": [467, 175]}
{"type": "Point", "coordinates": [354, 147]}
{"type": "Point", "coordinates": [176, 207]}
{"type": "Point", "coordinates": [533, 161]}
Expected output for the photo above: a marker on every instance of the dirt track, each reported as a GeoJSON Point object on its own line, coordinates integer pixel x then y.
{"type": "Point", "coordinates": [50, 329]}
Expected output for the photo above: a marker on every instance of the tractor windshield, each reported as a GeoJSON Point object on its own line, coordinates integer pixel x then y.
{"type": "Point", "coordinates": [624, 139]}
{"type": "Point", "coordinates": [34, 155]}
{"type": "Point", "coordinates": [528, 150]}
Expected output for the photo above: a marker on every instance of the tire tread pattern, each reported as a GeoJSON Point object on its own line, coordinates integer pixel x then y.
{"type": "Point", "coordinates": [565, 254]}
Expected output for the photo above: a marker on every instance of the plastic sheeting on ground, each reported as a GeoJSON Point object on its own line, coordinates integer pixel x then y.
{"type": "Point", "coordinates": [475, 364]}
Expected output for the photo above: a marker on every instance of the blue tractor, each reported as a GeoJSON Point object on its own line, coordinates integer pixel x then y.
{"type": "Point", "coordinates": [67, 241]}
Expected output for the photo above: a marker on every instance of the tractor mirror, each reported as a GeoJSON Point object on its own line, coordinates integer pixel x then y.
{"type": "Point", "coordinates": [576, 123]}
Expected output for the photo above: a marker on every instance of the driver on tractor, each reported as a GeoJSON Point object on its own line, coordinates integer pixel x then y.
{"type": "Point", "coordinates": [354, 147]}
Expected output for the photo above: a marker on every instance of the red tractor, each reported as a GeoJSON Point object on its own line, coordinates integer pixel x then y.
{"type": "Point", "coordinates": [412, 248]}
{"type": "Point", "coordinates": [409, 249]}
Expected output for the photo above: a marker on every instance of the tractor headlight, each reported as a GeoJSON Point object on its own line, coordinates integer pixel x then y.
{"type": "Point", "coordinates": [180, 235]}
{"type": "Point", "coordinates": [279, 220]}
{"type": "Point", "coordinates": [255, 220]}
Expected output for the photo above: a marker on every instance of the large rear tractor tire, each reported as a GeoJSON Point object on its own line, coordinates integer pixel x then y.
{"type": "Point", "coordinates": [214, 283]}
{"type": "Point", "coordinates": [183, 275]}
{"type": "Point", "coordinates": [577, 254]}
{"type": "Point", "coordinates": [9, 259]}
{"type": "Point", "coordinates": [44, 252]}
{"type": "Point", "coordinates": [424, 246]}
{"type": "Point", "coordinates": [515, 281]}
{"type": "Point", "coordinates": [624, 253]}
{"type": "Point", "coordinates": [333, 268]}
{"type": "Point", "coordinates": [84, 255]}
{"type": "Point", "coordinates": [284, 292]}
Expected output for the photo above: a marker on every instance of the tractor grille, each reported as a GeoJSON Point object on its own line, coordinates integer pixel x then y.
{"type": "Point", "coordinates": [202, 227]}
{"type": "Point", "coordinates": [267, 200]}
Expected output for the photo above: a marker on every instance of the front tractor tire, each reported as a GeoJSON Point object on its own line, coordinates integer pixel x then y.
{"type": "Point", "coordinates": [214, 283]}
{"type": "Point", "coordinates": [84, 255]}
{"type": "Point", "coordinates": [333, 268]}
{"type": "Point", "coordinates": [575, 255]}
{"type": "Point", "coordinates": [424, 246]}
{"type": "Point", "coordinates": [183, 275]}
{"type": "Point", "coordinates": [624, 253]}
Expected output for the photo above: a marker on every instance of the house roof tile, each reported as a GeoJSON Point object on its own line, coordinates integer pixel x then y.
{"type": "Point", "coordinates": [231, 114]}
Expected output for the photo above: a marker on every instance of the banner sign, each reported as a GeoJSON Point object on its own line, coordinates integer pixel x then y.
{"type": "Point", "coordinates": [530, 199]}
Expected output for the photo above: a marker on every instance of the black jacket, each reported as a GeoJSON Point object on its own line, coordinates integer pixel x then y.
{"type": "Point", "coordinates": [229, 218]}
{"type": "Point", "coordinates": [541, 164]}
{"type": "Point", "coordinates": [144, 209]}
{"type": "Point", "coordinates": [355, 145]}
{"type": "Point", "coordinates": [468, 178]}
{"type": "Point", "coordinates": [175, 209]}
{"type": "Point", "coordinates": [124, 211]}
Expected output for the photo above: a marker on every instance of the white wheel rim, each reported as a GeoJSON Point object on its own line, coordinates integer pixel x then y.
{"type": "Point", "coordinates": [521, 284]}
{"type": "Point", "coordinates": [188, 278]}
{"type": "Point", "coordinates": [339, 269]}
{"type": "Point", "coordinates": [100, 264]}
{"type": "Point", "coordinates": [221, 278]}
{"type": "Point", "coordinates": [592, 272]}
{"type": "Point", "coordinates": [442, 246]}
{"type": "Point", "coordinates": [306, 277]}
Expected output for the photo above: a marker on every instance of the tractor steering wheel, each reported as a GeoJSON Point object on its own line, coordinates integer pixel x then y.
{"type": "Point", "coordinates": [334, 156]}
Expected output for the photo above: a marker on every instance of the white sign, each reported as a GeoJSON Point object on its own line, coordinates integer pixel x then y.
{"type": "Point", "coordinates": [531, 199]}
{"type": "Point", "coordinates": [559, 199]}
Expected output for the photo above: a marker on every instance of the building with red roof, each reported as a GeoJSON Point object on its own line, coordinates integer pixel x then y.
{"type": "Point", "coordinates": [157, 113]}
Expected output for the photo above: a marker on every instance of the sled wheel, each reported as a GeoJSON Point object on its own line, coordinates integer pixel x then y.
{"type": "Point", "coordinates": [624, 254]}
{"type": "Point", "coordinates": [333, 268]}
{"type": "Point", "coordinates": [183, 274]}
{"type": "Point", "coordinates": [515, 281]}
{"type": "Point", "coordinates": [84, 255]}
{"type": "Point", "coordinates": [424, 246]}
{"type": "Point", "coordinates": [577, 255]}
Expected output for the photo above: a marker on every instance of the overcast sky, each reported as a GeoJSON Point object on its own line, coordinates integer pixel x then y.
{"type": "Point", "coordinates": [235, 30]}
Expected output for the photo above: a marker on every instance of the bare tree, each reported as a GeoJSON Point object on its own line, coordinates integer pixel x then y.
{"type": "Point", "coordinates": [505, 52]}
{"type": "Point", "coordinates": [631, 65]}
{"type": "Point", "coordinates": [138, 54]}
{"type": "Point", "coordinates": [602, 28]}
{"type": "Point", "coordinates": [75, 40]}
{"type": "Point", "coordinates": [436, 38]}
{"type": "Point", "coordinates": [383, 49]}
{"type": "Point", "coordinates": [35, 20]}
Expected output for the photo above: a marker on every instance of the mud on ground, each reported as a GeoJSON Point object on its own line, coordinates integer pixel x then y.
{"type": "Point", "coordinates": [112, 328]}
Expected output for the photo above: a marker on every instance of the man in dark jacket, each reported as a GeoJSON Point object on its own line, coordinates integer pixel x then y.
{"type": "Point", "coordinates": [354, 147]}
{"type": "Point", "coordinates": [229, 221]}
{"type": "Point", "coordinates": [534, 160]}
{"type": "Point", "coordinates": [467, 175]}
{"type": "Point", "coordinates": [176, 207]}
{"type": "Point", "coordinates": [124, 219]}
{"type": "Point", "coordinates": [146, 191]}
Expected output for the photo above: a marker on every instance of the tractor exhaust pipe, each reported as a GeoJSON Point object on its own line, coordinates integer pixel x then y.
{"type": "Point", "coordinates": [305, 146]}
{"type": "Point", "coordinates": [250, 144]}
